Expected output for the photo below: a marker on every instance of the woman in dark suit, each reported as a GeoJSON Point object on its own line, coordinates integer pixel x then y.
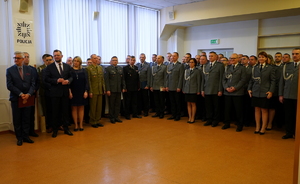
{"type": "Point", "coordinates": [191, 88]}
{"type": "Point", "coordinates": [261, 88]}
{"type": "Point", "coordinates": [78, 92]}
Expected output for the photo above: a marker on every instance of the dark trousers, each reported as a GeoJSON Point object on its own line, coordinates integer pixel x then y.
{"type": "Point", "coordinates": [233, 103]}
{"type": "Point", "coordinates": [114, 104]}
{"type": "Point", "coordinates": [159, 100]}
{"type": "Point", "coordinates": [31, 119]}
{"type": "Point", "coordinates": [48, 114]}
{"type": "Point", "coordinates": [212, 105]}
{"type": "Point", "coordinates": [143, 96]}
{"type": "Point", "coordinates": [290, 109]}
{"type": "Point", "coordinates": [248, 110]}
{"type": "Point", "coordinates": [279, 113]}
{"type": "Point", "coordinates": [152, 101]}
{"type": "Point", "coordinates": [130, 102]}
{"type": "Point", "coordinates": [168, 102]}
{"type": "Point", "coordinates": [175, 98]}
{"type": "Point", "coordinates": [20, 120]}
{"type": "Point", "coordinates": [60, 112]}
{"type": "Point", "coordinates": [201, 112]}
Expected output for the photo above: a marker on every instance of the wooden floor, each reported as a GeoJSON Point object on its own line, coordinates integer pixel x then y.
{"type": "Point", "coordinates": [149, 151]}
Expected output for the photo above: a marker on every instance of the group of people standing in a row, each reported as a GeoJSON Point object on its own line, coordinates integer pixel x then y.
{"type": "Point", "coordinates": [205, 84]}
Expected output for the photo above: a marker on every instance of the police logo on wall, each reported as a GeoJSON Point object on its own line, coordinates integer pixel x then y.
{"type": "Point", "coordinates": [23, 32]}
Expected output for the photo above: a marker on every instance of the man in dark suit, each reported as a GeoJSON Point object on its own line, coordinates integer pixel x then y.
{"type": "Point", "coordinates": [37, 85]}
{"type": "Point", "coordinates": [175, 72]}
{"type": "Point", "coordinates": [288, 92]}
{"type": "Point", "coordinates": [157, 84]}
{"type": "Point", "coordinates": [58, 75]}
{"type": "Point", "coordinates": [234, 81]}
{"type": "Point", "coordinates": [212, 89]}
{"type": "Point", "coordinates": [21, 84]}
{"type": "Point", "coordinates": [132, 81]}
{"type": "Point", "coordinates": [143, 68]}
{"type": "Point", "coordinates": [115, 84]}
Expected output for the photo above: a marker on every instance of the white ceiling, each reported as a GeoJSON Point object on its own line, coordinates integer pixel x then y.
{"type": "Point", "coordinates": [158, 4]}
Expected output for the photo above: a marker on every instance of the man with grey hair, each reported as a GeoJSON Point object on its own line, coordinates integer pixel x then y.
{"type": "Point", "coordinates": [21, 84]}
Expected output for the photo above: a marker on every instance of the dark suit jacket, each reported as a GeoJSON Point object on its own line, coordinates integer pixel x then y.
{"type": "Point", "coordinates": [52, 75]}
{"type": "Point", "coordinates": [16, 85]}
{"type": "Point", "coordinates": [262, 81]}
{"type": "Point", "coordinates": [235, 78]}
{"type": "Point", "coordinates": [131, 77]}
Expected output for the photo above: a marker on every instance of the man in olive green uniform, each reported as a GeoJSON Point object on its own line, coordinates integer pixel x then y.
{"type": "Point", "coordinates": [97, 89]}
{"type": "Point", "coordinates": [115, 84]}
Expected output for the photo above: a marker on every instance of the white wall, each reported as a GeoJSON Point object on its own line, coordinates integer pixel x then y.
{"type": "Point", "coordinates": [241, 36]}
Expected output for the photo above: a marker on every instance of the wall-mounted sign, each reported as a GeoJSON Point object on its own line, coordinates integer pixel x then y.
{"type": "Point", "coordinates": [23, 30]}
{"type": "Point", "coordinates": [214, 41]}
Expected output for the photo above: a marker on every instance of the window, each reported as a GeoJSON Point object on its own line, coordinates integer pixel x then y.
{"type": "Point", "coordinates": [119, 30]}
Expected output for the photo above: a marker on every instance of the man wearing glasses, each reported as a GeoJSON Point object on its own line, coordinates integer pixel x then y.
{"type": "Point", "coordinates": [21, 84]}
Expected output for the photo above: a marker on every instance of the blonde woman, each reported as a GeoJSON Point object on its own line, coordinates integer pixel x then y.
{"type": "Point", "coordinates": [78, 92]}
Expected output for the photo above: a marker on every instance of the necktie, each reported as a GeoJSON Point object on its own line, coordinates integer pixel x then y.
{"type": "Point", "coordinates": [191, 71]}
{"type": "Point", "coordinates": [210, 65]}
{"type": "Point", "coordinates": [261, 67]}
{"type": "Point", "coordinates": [233, 67]}
{"type": "Point", "coordinates": [21, 72]}
{"type": "Point", "coordinates": [295, 65]}
{"type": "Point", "coordinates": [157, 66]}
{"type": "Point", "coordinates": [60, 69]}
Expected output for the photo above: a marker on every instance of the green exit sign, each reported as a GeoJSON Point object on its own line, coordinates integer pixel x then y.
{"type": "Point", "coordinates": [214, 41]}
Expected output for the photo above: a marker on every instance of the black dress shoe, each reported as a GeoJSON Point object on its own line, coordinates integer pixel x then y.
{"type": "Point", "coordinates": [68, 132]}
{"type": "Point", "coordinates": [145, 114]}
{"type": "Point", "coordinates": [112, 121]}
{"type": "Point", "coordinates": [177, 119]}
{"type": "Point", "coordinates": [214, 124]}
{"type": "Point", "coordinates": [268, 129]}
{"type": "Point", "coordinates": [75, 129]}
{"type": "Point", "coordinates": [27, 139]}
{"type": "Point", "coordinates": [33, 134]}
{"type": "Point", "coordinates": [118, 120]}
{"type": "Point", "coordinates": [81, 129]}
{"type": "Point", "coordinates": [261, 133]}
{"type": "Point", "coordinates": [287, 136]}
{"type": "Point", "coordinates": [226, 126]}
{"type": "Point", "coordinates": [155, 115]}
{"type": "Point", "coordinates": [127, 117]}
{"type": "Point", "coordinates": [208, 123]}
{"type": "Point", "coordinates": [54, 134]}
{"type": "Point", "coordinates": [239, 129]}
{"type": "Point", "coordinates": [170, 118]}
{"type": "Point", "coordinates": [161, 116]}
{"type": "Point", "coordinates": [256, 132]}
{"type": "Point", "coordinates": [19, 142]}
{"type": "Point", "coordinates": [136, 116]}
{"type": "Point", "coordinates": [99, 125]}
{"type": "Point", "coordinates": [94, 126]}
